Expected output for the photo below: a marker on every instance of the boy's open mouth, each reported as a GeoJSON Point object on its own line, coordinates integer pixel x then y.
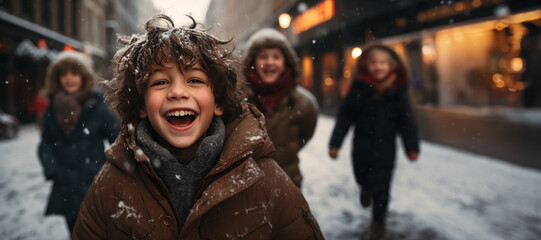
{"type": "Point", "coordinates": [180, 118]}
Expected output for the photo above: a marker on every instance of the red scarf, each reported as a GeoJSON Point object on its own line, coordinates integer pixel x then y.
{"type": "Point", "coordinates": [68, 107]}
{"type": "Point", "coordinates": [391, 81]}
{"type": "Point", "coordinates": [269, 95]}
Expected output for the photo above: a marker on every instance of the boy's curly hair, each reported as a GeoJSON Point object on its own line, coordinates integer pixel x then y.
{"type": "Point", "coordinates": [161, 43]}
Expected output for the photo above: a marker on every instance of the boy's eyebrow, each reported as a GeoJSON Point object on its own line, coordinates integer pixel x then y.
{"type": "Point", "coordinates": [198, 69]}
{"type": "Point", "coordinates": [157, 69]}
{"type": "Point", "coordinates": [161, 69]}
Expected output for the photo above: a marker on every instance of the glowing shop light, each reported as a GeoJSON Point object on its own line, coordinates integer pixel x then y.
{"type": "Point", "coordinates": [284, 20]}
{"type": "Point", "coordinates": [356, 52]}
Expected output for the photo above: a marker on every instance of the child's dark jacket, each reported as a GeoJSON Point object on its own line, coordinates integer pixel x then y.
{"type": "Point", "coordinates": [377, 119]}
{"type": "Point", "coordinates": [73, 161]}
{"type": "Point", "coordinates": [244, 196]}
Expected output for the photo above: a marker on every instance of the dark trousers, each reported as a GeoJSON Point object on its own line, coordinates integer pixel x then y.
{"type": "Point", "coordinates": [380, 195]}
{"type": "Point", "coordinates": [378, 182]}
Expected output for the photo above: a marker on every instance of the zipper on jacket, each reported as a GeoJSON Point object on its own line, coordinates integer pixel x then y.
{"type": "Point", "coordinates": [310, 222]}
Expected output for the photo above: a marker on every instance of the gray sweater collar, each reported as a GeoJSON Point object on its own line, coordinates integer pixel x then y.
{"type": "Point", "coordinates": [182, 179]}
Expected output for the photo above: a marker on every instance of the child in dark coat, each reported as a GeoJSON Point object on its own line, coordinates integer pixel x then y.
{"type": "Point", "coordinates": [378, 106]}
{"type": "Point", "coordinates": [75, 124]}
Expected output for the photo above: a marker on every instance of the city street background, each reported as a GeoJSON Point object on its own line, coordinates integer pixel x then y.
{"type": "Point", "coordinates": [475, 86]}
{"type": "Point", "coordinates": [447, 194]}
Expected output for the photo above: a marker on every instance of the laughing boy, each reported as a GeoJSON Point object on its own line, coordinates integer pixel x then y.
{"type": "Point", "coordinates": [191, 161]}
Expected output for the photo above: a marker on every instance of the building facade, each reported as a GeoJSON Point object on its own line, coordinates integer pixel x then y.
{"type": "Point", "coordinates": [125, 17]}
{"type": "Point", "coordinates": [473, 64]}
{"type": "Point", "coordinates": [35, 31]}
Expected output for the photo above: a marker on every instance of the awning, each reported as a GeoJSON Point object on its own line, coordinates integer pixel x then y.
{"type": "Point", "coordinates": [27, 49]}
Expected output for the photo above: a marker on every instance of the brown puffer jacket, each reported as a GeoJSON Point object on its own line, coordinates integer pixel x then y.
{"type": "Point", "coordinates": [294, 122]}
{"type": "Point", "coordinates": [244, 196]}
{"type": "Point", "coordinates": [290, 128]}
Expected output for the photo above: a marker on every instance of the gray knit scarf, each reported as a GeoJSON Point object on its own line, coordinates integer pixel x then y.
{"type": "Point", "coordinates": [182, 179]}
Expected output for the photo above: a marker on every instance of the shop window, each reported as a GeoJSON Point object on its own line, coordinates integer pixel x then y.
{"type": "Point", "coordinates": [349, 70]}
{"type": "Point", "coordinates": [462, 66]}
{"type": "Point", "coordinates": [507, 64]}
{"type": "Point", "coordinates": [329, 73]}
{"type": "Point", "coordinates": [307, 72]}
{"type": "Point", "coordinates": [486, 64]}
{"type": "Point", "coordinates": [418, 58]}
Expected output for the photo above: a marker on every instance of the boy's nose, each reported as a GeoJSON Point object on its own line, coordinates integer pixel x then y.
{"type": "Point", "coordinates": [177, 91]}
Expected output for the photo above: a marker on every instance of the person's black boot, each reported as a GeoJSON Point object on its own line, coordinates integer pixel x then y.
{"type": "Point", "coordinates": [377, 230]}
{"type": "Point", "coordinates": [366, 198]}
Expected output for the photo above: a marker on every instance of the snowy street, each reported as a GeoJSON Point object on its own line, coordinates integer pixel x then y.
{"type": "Point", "coordinates": [446, 194]}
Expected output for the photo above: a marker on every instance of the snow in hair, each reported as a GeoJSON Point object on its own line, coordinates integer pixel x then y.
{"type": "Point", "coordinates": [163, 42]}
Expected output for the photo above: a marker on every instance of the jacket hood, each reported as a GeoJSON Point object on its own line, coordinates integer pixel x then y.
{"type": "Point", "coordinates": [72, 61]}
{"type": "Point", "coordinates": [270, 38]}
{"type": "Point", "coordinates": [245, 136]}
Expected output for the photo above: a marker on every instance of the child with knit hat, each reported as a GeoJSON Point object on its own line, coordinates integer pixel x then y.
{"type": "Point", "coordinates": [272, 69]}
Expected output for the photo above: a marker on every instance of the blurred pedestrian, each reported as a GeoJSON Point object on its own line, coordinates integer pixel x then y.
{"type": "Point", "coordinates": [192, 160]}
{"type": "Point", "coordinates": [379, 107]}
{"type": "Point", "coordinates": [39, 105]}
{"type": "Point", "coordinates": [273, 71]}
{"type": "Point", "coordinates": [75, 125]}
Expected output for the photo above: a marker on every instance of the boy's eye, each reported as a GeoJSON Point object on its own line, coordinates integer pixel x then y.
{"type": "Point", "coordinates": [159, 82]}
{"type": "Point", "coordinates": [196, 81]}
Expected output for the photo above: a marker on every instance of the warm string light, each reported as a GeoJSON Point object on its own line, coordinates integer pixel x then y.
{"type": "Point", "coordinates": [356, 52]}
{"type": "Point", "coordinates": [284, 20]}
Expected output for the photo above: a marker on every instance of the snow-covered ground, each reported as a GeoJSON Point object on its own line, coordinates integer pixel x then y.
{"type": "Point", "coordinates": [446, 194]}
{"type": "Point", "coordinates": [24, 191]}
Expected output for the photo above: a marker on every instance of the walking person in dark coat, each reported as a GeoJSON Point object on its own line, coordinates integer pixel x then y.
{"type": "Point", "coordinates": [378, 106]}
{"type": "Point", "coordinates": [75, 125]}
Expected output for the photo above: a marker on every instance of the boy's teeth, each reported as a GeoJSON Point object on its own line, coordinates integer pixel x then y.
{"type": "Point", "coordinates": [180, 113]}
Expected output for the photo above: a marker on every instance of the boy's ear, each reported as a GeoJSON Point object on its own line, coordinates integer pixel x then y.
{"type": "Point", "coordinates": [218, 111]}
{"type": "Point", "coordinates": [143, 113]}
